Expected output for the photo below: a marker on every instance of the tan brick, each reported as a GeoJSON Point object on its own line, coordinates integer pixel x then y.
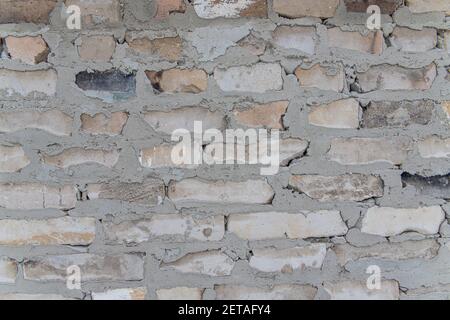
{"type": "Point", "coordinates": [277, 292]}
{"type": "Point", "coordinates": [170, 48]}
{"type": "Point", "coordinates": [28, 196]}
{"type": "Point", "coordinates": [96, 48]}
{"type": "Point", "coordinates": [446, 108]}
{"type": "Point", "coordinates": [298, 38]}
{"type": "Point", "coordinates": [65, 230]}
{"type": "Point", "coordinates": [372, 42]}
{"type": "Point", "coordinates": [274, 225]}
{"type": "Point", "coordinates": [357, 151]}
{"type": "Point", "coordinates": [211, 263]}
{"type": "Point", "coordinates": [322, 77]}
{"type": "Point", "coordinates": [306, 8]}
{"type": "Point", "coordinates": [160, 157]}
{"type": "Point", "coordinates": [210, 9]}
{"type": "Point", "coordinates": [12, 158]}
{"type": "Point", "coordinates": [269, 115]}
{"type": "Point", "coordinates": [258, 78]}
{"type": "Point", "coordinates": [151, 192]}
{"type": "Point", "coordinates": [389, 77]}
{"type": "Point", "coordinates": [178, 228]}
{"type": "Point", "coordinates": [434, 147]}
{"type": "Point", "coordinates": [125, 267]}
{"type": "Point", "coordinates": [225, 192]}
{"type": "Point", "coordinates": [358, 290]}
{"type": "Point", "coordinates": [409, 40]}
{"type": "Point", "coordinates": [180, 293]}
{"type": "Point", "coordinates": [8, 270]}
{"type": "Point", "coordinates": [288, 260]}
{"type": "Point", "coordinates": [77, 156]}
{"type": "Point", "coordinates": [104, 12]}
{"type": "Point", "coordinates": [348, 187]}
{"type": "Point", "coordinates": [121, 294]}
{"type": "Point", "coordinates": [387, 222]}
{"type": "Point", "coordinates": [341, 114]}
{"type": "Point", "coordinates": [421, 6]}
{"type": "Point", "coordinates": [423, 249]}
{"type": "Point", "coordinates": [102, 124]}
{"type": "Point", "coordinates": [18, 11]}
{"type": "Point", "coordinates": [165, 7]}
{"type": "Point", "coordinates": [26, 82]}
{"type": "Point", "coordinates": [31, 50]}
{"type": "Point", "coordinates": [183, 118]}
{"type": "Point", "coordinates": [179, 80]}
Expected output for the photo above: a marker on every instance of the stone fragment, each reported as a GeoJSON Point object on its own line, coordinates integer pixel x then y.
{"type": "Point", "coordinates": [341, 114]}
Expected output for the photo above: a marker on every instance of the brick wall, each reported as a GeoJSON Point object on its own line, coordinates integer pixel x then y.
{"type": "Point", "coordinates": [86, 180]}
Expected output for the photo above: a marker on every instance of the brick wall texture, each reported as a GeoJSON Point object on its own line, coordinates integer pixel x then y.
{"type": "Point", "coordinates": [86, 117]}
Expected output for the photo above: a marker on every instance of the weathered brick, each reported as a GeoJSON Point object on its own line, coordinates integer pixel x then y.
{"type": "Point", "coordinates": [386, 6]}
{"type": "Point", "coordinates": [435, 186]}
{"type": "Point", "coordinates": [212, 263]}
{"type": "Point", "coordinates": [225, 192]}
{"type": "Point", "coordinates": [98, 12]}
{"type": "Point", "coordinates": [165, 7]}
{"type": "Point", "coordinates": [355, 151]}
{"type": "Point", "coordinates": [179, 80]}
{"type": "Point", "coordinates": [390, 77]}
{"type": "Point", "coordinates": [290, 149]}
{"type": "Point", "coordinates": [8, 270]}
{"type": "Point", "coordinates": [276, 292]}
{"type": "Point", "coordinates": [254, 45]}
{"type": "Point", "coordinates": [306, 8]}
{"type": "Point", "coordinates": [65, 230]}
{"type": "Point", "coordinates": [387, 222]}
{"type": "Point", "coordinates": [348, 187]}
{"type": "Point", "coordinates": [372, 42]}
{"type": "Point", "coordinates": [12, 158]}
{"type": "Point", "coordinates": [19, 11]}
{"type": "Point", "coordinates": [180, 293]}
{"type": "Point", "coordinates": [125, 267]}
{"type": "Point", "coordinates": [409, 40]}
{"type": "Point", "coordinates": [160, 157]}
{"type": "Point", "coordinates": [341, 114]}
{"type": "Point", "coordinates": [54, 122]}
{"type": "Point", "coordinates": [434, 147]}
{"type": "Point", "coordinates": [28, 196]}
{"type": "Point", "coordinates": [210, 9]}
{"type": "Point", "coordinates": [446, 108]}
{"type": "Point", "coordinates": [269, 115]}
{"type": "Point", "coordinates": [102, 124]}
{"type": "Point", "coordinates": [26, 82]}
{"type": "Point", "coordinates": [358, 290]}
{"type": "Point", "coordinates": [380, 114]}
{"type": "Point", "coordinates": [258, 78]}
{"type": "Point", "coordinates": [421, 6]}
{"type": "Point", "coordinates": [121, 294]}
{"type": "Point", "coordinates": [31, 50]}
{"type": "Point", "coordinates": [273, 225]}
{"type": "Point", "coordinates": [323, 78]}
{"type": "Point", "coordinates": [96, 48]}
{"type": "Point", "coordinates": [298, 38]}
{"type": "Point", "coordinates": [183, 118]}
{"type": "Point", "coordinates": [423, 249]}
{"type": "Point", "coordinates": [288, 260]}
{"type": "Point", "coordinates": [174, 227]}
{"type": "Point", "coordinates": [110, 85]}
{"type": "Point", "coordinates": [170, 48]}
{"type": "Point", "coordinates": [150, 192]}
{"type": "Point", "coordinates": [77, 156]}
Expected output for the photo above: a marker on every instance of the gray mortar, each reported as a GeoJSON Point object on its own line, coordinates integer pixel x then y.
{"type": "Point", "coordinates": [137, 134]}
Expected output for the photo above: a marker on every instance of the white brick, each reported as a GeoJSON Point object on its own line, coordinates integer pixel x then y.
{"type": "Point", "coordinates": [26, 82]}
{"type": "Point", "coordinates": [387, 222]}
{"type": "Point", "coordinates": [12, 158]}
{"type": "Point", "coordinates": [210, 9]}
{"type": "Point", "coordinates": [166, 226]}
{"type": "Point", "coordinates": [297, 38]}
{"type": "Point", "coordinates": [273, 225]}
{"type": "Point", "coordinates": [211, 263]}
{"type": "Point", "coordinates": [409, 40]}
{"type": "Point", "coordinates": [180, 293]}
{"type": "Point", "coordinates": [357, 290]}
{"type": "Point", "coordinates": [65, 230]}
{"type": "Point", "coordinates": [288, 260]}
{"type": "Point", "coordinates": [434, 147]}
{"type": "Point", "coordinates": [257, 78]}
{"type": "Point", "coordinates": [77, 156]}
{"type": "Point", "coordinates": [277, 292]}
{"type": "Point", "coordinates": [121, 294]}
{"type": "Point", "coordinates": [341, 114]}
